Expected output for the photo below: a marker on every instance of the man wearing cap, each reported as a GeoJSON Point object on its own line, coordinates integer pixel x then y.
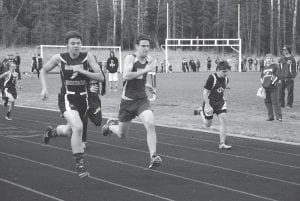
{"type": "Point", "coordinates": [287, 73]}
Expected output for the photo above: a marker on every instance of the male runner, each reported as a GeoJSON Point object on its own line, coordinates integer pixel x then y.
{"type": "Point", "coordinates": [73, 102]}
{"type": "Point", "coordinates": [134, 100]}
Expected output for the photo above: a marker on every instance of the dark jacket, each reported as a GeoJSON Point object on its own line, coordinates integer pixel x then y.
{"type": "Point", "coordinates": [287, 68]}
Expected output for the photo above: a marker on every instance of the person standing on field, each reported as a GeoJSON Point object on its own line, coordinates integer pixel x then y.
{"type": "Point", "coordinates": [287, 69]}
{"type": "Point", "coordinates": [112, 66]}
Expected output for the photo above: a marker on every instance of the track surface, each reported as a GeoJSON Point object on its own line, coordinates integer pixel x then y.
{"type": "Point", "coordinates": [193, 168]}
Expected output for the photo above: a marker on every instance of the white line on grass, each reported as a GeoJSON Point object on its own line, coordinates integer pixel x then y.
{"type": "Point", "coordinates": [157, 171]}
{"type": "Point", "coordinates": [191, 129]}
{"type": "Point", "coordinates": [29, 189]}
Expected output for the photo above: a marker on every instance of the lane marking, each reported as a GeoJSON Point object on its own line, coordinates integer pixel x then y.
{"type": "Point", "coordinates": [287, 153]}
{"type": "Point", "coordinates": [204, 164]}
{"type": "Point", "coordinates": [30, 189]}
{"type": "Point", "coordinates": [157, 171]}
{"type": "Point", "coordinates": [190, 129]}
{"type": "Point", "coordinates": [91, 177]}
{"type": "Point", "coordinates": [205, 150]}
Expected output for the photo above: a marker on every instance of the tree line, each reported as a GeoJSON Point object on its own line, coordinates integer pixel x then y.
{"type": "Point", "coordinates": [265, 25]}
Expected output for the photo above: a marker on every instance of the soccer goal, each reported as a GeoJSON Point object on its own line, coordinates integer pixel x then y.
{"type": "Point", "coordinates": [101, 53]}
{"type": "Point", "coordinates": [177, 50]}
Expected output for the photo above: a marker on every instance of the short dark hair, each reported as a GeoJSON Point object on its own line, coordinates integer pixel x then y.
{"type": "Point", "coordinates": [287, 48]}
{"type": "Point", "coordinates": [142, 37]}
{"type": "Point", "coordinates": [72, 34]}
{"type": "Point", "coordinates": [223, 65]}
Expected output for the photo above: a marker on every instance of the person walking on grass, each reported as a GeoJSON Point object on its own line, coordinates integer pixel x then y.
{"type": "Point", "coordinates": [214, 101]}
{"type": "Point", "coordinates": [134, 101]}
{"type": "Point", "coordinates": [74, 72]}
{"type": "Point", "coordinates": [269, 80]}
{"type": "Point", "coordinates": [10, 91]}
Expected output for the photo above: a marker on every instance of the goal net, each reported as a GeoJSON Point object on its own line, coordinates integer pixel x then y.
{"type": "Point", "coordinates": [198, 53]}
{"type": "Point", "coordinates": [101, 53]}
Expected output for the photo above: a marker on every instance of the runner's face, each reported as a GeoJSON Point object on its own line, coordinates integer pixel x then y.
{"type": "Point", "coordinates": [74, 46]}
{"type": "Point", "coordinates": [222, 73]}
{"type": "Point", "coordinates": [143, 48]}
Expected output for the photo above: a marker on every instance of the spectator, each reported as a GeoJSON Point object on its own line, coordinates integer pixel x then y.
{"type": "Point", "coordinates": [39, 62]}
{"type": "Point", "coordinates": [112, 66]}
{"type": "Point", "coordinates": [198, 65]}
{"type": "Point", "coordinates": [184, 65]}
{"type": "Point", "coordinates": [288, 72]}
{"type": "Point", "coordinates": [209, 63]}
{"type": "Point", "coordinates": [250, 63]}
{"type": "Point", "coordinates": [261, 64]}
{"type": "Point", "coordinates": [192, 64]}
{"type": "Point", "coordinates": [269, 80]}
{"type": "Point", "coordinates": [255, 64]}
{"type": "Point", "coordinates": [17, 61]}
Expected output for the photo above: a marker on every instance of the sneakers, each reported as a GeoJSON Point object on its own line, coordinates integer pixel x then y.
{"type": "Point", "coordinates": [105, 127]}
{"type": "Point", "coordinates": [224, 146]}
{"type": "Point", "coordinates": [8, 118]}
{"type": "Point", "coordinates": [155, 162]}
{"type": "Point", "coordinates": [48, 134]}
{"type": "Point", "coordinates": [81, 171]}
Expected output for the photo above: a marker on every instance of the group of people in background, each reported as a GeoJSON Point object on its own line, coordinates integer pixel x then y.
{"type": "Point", "coordinates": [276, 79]}
{"type": "Point", "coordinates": [191, 65]}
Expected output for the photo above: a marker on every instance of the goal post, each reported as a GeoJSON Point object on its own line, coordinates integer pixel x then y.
{"type": "Point", "coordinates": [101, 53]}
{"type": "Point", "coordinates": [234, 44]}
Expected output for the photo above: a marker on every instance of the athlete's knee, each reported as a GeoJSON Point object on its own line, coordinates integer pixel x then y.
{"type": "Point", "coordinates": [77, 130]}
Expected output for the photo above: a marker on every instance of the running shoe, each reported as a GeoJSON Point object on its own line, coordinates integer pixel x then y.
{"type": "Point", "coordinates": [8, 118]}
{"type": "Point", "coordinates": [48, 134]}
{"type": "Point", "coordinates": [155, 162]}
{"type": "Point", "coordinates": [224, 146]}
{"type": "Point", "coordinates": [105, 127]}
{"type": "Point", "coordinates": [81, 171]}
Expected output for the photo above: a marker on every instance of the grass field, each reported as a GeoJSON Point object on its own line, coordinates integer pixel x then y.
{"type": "Point", "coordinates": [180, 93]}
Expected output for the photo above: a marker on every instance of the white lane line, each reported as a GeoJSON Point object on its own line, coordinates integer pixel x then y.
{"type": "Point", "coordinates": [91, 177]}
{"type": "Point", "coordinates": [30, 189]}
{"type": "Point", "coordinates": [225, 154]}
{"type": "Point", "coordinates": [190, 129]}
{"type": "Point", "coordinates": [205, 150]}
{"type": "Point", "coordinates": [160, 172]}
{"type": "Point", "coordinates": [176, 136]}
{"type": "Point", "coordinates": [203, 164]}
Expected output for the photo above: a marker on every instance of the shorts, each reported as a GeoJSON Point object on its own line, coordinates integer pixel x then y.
{"type": "Point", "coordinates": [95, 115]}
{"type": "Point", "coordinates": [129, 109]}
{"type": "Point", "coordinates": [113, 77]}
{"type": "Point", "coordinates": [218, 108]}
{"type": "Point", "coordinates": [67, 102]}
{"type": "Point", "coordinates": [11, 95]}
{"type": "Point", "coordinates": [94, 112]}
